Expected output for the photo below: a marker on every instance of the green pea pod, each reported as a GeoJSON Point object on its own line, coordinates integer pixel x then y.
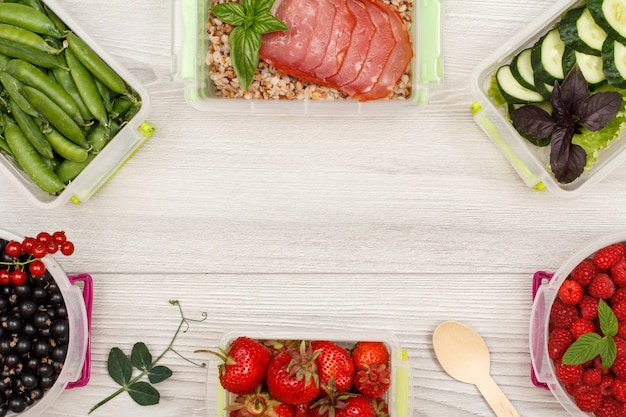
{"type": "Point", "coordinates": [26, 37]}
{"type": "Point", "coordinates": [65, 80]}
{"type": "Point", "coordinates": [60, 25]}
{"type": "Point", "coordinates": [4, 146]}
{"type": "Point", "coordinates": [55, 115]}
{"type": "Point", "coordinates": [120, 106]}
{"type": "Point", "coordinates": [28, 53]}
{"type": "Point", "coordinates": [95, 64]}
{"type": "Point", "coordinates": [34, 77]}
{"type": "Point", "coordinates": [35, 4]}
{"type": "Point", "coordinates": [29, 159]}
{"type": "Point", "coordinates": [31, 131]}
{"type": "Point", "coordinates": [13, 86]}
{"type": "Point", "coordinates": [28, 18]}
{"type": "Point", "coordinates": [53, 163]}
{"type": "Point", "coordinates": [87, 88]}
{"type": "Point", "coordinates": [65, 147]}
{"type": "Point", "coordinates": [4, 60]}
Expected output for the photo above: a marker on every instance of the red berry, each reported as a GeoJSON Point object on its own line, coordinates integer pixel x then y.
{"type": "Point", "coordinates": [618, 389]}
{"type": "Point", "coordinates": [44, 237]}
{"type": "Point", "coordinates": [333, 361]}
{"type": "Point", "coordinates": [568, 373]}
{"type": "Point", "coordinates": [582, 326]}
{"type": "Point", "coordinates": [602, 286]}
{"type": "Point", "coordinates": [619, 309]}
{"type": "Point", "coordinates": [40, 250]}
{"type": "Point", "coordinates": [13, 249]}
{"type": "Point", "coordinates": [588, 398]}
{"type": "Point", "coordinates": [619, 366]}
{"type": "Point", "coordinates": [605, 258]}
{"type": "Point", "coordinates": [59, 237]}
{"type": "Point", "coordinates": [589, 307]}
{"type": "Point", "coordinates": [618, 273]}
{"type": "Point", "coordinates": [244, 365]}
{"type": "Point", "coordinates": [558, 342]}
{"type": "Point", "coordinates": [562, 315]}
{"type": "Point", "coordinates": [5, 277]}
{"type": "Point", "coordinates": [373, 380]}
{"type": "Point", "coordinates": [28, 244]}
{"type": "Point", "coordinates": [67, 248]}
{"type": "Point", "coordinates": [592, 376]}
{"type": "Point", "coordinates": [52, 247]}
{"type": "Point", "coordinates": [18, 277]}
{"type": "Point", "coordinates": [584, 272]}
{"type": "Point", "coordinates": [570, 292]}
{"type": "Point", "coordinates": [610, 407]}
{"type": "Point", "coordinates": [37, 268]}
{"type": "Point", "coordinates": [367, 353]}
{"type": "Point", "coordinates": [291, 376]}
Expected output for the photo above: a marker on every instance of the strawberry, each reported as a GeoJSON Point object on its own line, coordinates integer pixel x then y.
{"type": "Point", "coordinates": [588, 307]}
{"type": "Point", "coordinates": [584, 272]}
{"type": "Point", "coordinates": [558, 342]}
{"type": "Point", "coordinates": [570, 292]}
{"type": "Point", "coordinates": [605, 258]}
{"type": "Point", "coordinates": [292, 375]}
{"type": "Point", "coordinates": [356, 406]}
{"type": "Point", "coordinates": [380, 407]}
{"type": "Point", "coordinates": [602, 286]}
{"type": "Point", "coordinates": [618, 273]}
{"type": "Point", "coordinates": [334, 362]}
{"type": "Point", "coordinates": [259, 404]}
{"type": "Point", "coordinates": [244, 366]}
{"type": "Point", "coordinates": [277, 346]}
{"type": "Point", "coordinates": [588, 398]}
{"type": "Point", "coordinates": [562, 315]}
{"type": "Point", "coordinates": [366, 353]}
{"type": "Point", "coordinates": [373, 380]}
{"type": "Point", "coordinates": [582, 326]}
{"type": "Point", "coordinates": [610, 407]}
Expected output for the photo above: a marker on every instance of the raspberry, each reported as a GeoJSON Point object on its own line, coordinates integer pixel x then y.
{"type": "Point", "coordinates": [619, 309]}
{"type": "Point", "coordinates": [584, 272]}
{"type": "Point", "coordinates": [605, 258]}
{"type": "Point", "coordinates": [588, 307]}
{"type": "Point", "coordinates": [602, 286]}
{"type": "Point", "coordinates": [592, 376]}
{"type": "Point", "coordinates": [620, 344]}
{"type": "Point", "coordinates": [570, 292]}
{"type": "Point", "coordinates": [562, 315]}
{"type": "Point", "coordinates": [568, 373]}
{"type": "Point", "coordinates": [606, 385]}
{"type": "Point", "coordinates": [618, 295]}
{"type": "Point", "coordinates": [558, 342]}
{"type": "Point", "coordinates": [588, 398]}
{"type": "Point", "coordinates": [610, 407]}
{"type": "Point", "coordinates": [618, 273]}
{"type": "Point", "coordinates": [582, 326]}
{"type": "Point", "coordinates": [619, 366]}
{"type": "Point", "coordinates": [618, 389]}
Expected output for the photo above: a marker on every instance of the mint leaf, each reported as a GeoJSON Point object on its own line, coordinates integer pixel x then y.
{"type": "Point", "coordinates": [608, 320]}
{"type": "Point", "coordinates": [609, 352]}
{"type": "Point", "coordinates": [584, 349]}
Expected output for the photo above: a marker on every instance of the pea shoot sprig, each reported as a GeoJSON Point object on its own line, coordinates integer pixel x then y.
{"type": "Point", "coordinates": [120, 367]}
{"type": "Point", "coordinates": [251, 19]}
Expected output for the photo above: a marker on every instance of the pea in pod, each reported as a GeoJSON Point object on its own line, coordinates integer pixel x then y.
{"type": "Point", "coordinates": [66, 148]}
{"type": "Point", "coordinates": [31, 131]}
{"type": "Point", "coordinates": [87, 88]}
{"type": "Point", "coordinates": [28, 53]}
{"type": "Point", "coordinates": [13, 86]}
{"type": "Point", "coordinates": [26, 37]}
{"type": "Point", "coordinates": [28, 18]}
{"type": "Point", "coordinates": [65, 80]}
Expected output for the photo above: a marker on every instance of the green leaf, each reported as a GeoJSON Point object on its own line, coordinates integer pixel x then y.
{"type": "Point", "coordinates": [141, 357]}
{"type": "Point", "coordinates": [584, 349]}
{"type": "Point", "coordinates": [266, 23]}
{"type": "Point", "coordinates": [244, 54]}
{"type": "Point", "coordinates": [609, 352]}
{"type": "Point", "coordinates": [144, 393]}
{"type": "Point", "coordinates": [119, 366]}
{"type": "Point", "coordinates": [261, 6]}
{"type": "Point", "coordinates": [159, 374]}
{"type": "Point", "coordinates": [231, 13]}
{"type": "Point", "coordinates": [608, 320]}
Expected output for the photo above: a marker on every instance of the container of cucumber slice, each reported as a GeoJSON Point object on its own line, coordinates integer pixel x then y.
{"type": "Point", "coordinates": [70, 115]}
{"type": "Point", "coordinates": [539, 96]}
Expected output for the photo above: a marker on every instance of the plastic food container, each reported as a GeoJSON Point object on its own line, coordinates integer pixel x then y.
{"type": "Point", "coordinates": [532, 162]}
{"type": "Point", "coordinates": [545, 289]}
{"type": "Point", "coordinates": [119, 149]}
{"type": "Point", "coordinates": [190, 47]}
{"type": "Point", "coordinates": [398, 397]}
{"type": "Point", "coordinates": [78, 301]}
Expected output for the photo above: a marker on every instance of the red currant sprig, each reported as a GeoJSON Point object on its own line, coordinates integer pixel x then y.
{"type": "Point", "coordinates": [29, 252]}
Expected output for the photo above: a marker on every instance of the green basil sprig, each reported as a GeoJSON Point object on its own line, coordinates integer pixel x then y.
{"type": "Point", "coordinates": [252, 19]}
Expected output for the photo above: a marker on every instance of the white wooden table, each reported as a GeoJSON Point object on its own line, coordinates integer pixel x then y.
{"type": "Point", "coordinates": [388, 223]}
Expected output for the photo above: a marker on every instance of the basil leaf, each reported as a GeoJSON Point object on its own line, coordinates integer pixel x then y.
{"type": "Point", "coordinates": [567, 160]}
{"type": "Point", "coordinates": [574, 90]}
{"type": "Point", "coordinates": [266, 23]}
{"type": "Point", "coordinates": [119, 366]}
{"type": "Point", "coordinates": [231, 13]}
{"type": "Point", "coordinates": [144, 393]}
{"type": "Point", "coordinates": [585, 348]}
{"type": "Point", "coordinates": [140, 356]}
{"type": "Point", "coordinates": [261, 6]}
{"type": "Point", "coordinates": [533, 121]}
{"type": "Point", "coordinates": [597, 110]}
{"type": "Point", "coordinates": [607, 318]}
{"type": "Point", "coordinates": [244, 54]}
{"type": "Point", "coordinates": [159, 374]}
{"type": "Point", "coordinates": [561, 109]}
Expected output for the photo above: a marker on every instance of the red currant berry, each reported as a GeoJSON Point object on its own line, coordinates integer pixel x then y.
{"type": "Point", "coordinates": [5, 277]}
{"type": "Point", "coordinates": [40, 250]}
{"type": "Point", "coordinates": [44, 237]}
{"type": "Point", "coordinates": [37, 268]}
{"type": "Point", "coordinates": [59, 237]}
{"type": "Point", "coordinates": [52, 247]}
{"type": "Point", "coordinates": [13, 249]}
{"type": "Point", "coordinates": [67, 248]}
{"type": "Point", "coordinates": [28, 244]}
{"type": "Point", "coordinates": [18, 277]}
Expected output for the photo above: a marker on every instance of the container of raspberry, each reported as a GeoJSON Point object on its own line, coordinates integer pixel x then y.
{"type": "Point", "coordinates": [44, 336]}
{"type": "Point", "coordinates": [578, 328]}
{"type": "Point", "coordinates": [396, 400]}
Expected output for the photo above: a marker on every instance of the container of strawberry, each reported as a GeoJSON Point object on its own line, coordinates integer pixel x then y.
{"type": "Point", "coordinates": [578, 329]}
{"type": "Point", "coordinates": [45, 318]}
{"type": "Point", "coordinates": [308, 373]}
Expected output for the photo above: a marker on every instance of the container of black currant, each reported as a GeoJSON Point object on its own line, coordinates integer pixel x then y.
{"type": "Point", "coordinates": [44, 328]}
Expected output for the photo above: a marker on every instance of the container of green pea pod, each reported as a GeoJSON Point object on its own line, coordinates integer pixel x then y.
{"type": "Point", "coordinates": [78, 115]}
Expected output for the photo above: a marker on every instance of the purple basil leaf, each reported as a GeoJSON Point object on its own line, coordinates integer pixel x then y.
{"type": "Point", "coordinates": [533, 121]}
{"type": "Point", "coordinates": [574, 90]}
{"type": "Point", "coordinates": [567, 160]}
{"type": "Point", "coordinates": [597, 110]}
{"type": "Point", "coordinates": [561, 109]}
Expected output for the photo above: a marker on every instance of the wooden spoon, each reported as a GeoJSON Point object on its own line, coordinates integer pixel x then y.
{"type": "Point", "coordinates": [464, 355]}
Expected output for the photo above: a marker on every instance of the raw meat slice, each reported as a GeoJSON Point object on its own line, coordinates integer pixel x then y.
{"type": "Point", "coordinates": [316, 51]}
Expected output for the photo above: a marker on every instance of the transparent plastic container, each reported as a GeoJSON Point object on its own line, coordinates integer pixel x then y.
{"type": "Point", "coordinates": [398, 397]}
{"type": "Point", "coordinates": [545, 291]}
{"type": "Point", "coordinates": [119, 149]}
{"type": "Point", "coordinates": [78, 301]}
{"type": "Point", "coordinates": [532, 162]}
{"type": "Point", "coordinates": [190, 47]}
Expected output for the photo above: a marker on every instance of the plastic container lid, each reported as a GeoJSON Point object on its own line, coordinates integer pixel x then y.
{"type": "Point", "coordinates": [190, 47]}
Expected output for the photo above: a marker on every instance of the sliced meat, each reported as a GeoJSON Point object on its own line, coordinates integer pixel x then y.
{"type": "Point", "coordinates": [316, 51]}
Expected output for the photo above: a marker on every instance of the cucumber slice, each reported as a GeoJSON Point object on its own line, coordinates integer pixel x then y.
{"type": "Point", "coordinates": [591, 67]}
{"type": "Point", "coordinates": [610, 15]}
{"type": "Point", "coordinates": [579, 31]}
{"type": "Point", "coordinates": [512, 90]}
{"type": "Point", "coordinates": [551, 59]}
{"type": "Point", "coordinates": [614, 62]}
{"type": "Point", "coordinates": [522, 69]}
